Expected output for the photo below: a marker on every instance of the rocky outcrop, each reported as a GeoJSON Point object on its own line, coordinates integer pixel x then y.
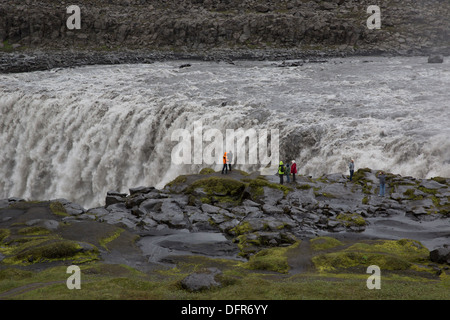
{"type": "Point", "coordinates": [198, 26]}
{"type": "Point", "coordinates": [256, 212]}
{"type": "Point", "coordinates": [237, 216]}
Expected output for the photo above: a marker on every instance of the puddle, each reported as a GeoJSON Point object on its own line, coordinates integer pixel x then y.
{"type": "Point", "coordinates": [157, 248]}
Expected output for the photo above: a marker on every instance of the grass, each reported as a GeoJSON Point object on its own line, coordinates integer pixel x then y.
{"type": "Point", "coordinates": [340, 273]}
{"type": "Point", "coordinates": [117, 282]}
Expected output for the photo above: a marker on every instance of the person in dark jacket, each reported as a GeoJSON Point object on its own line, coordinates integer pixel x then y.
{"type": "Point", "coordinates": [287, 172]}
{"type": "Point", "coordinates": [351, 168]}
{"type": "Point", "coordinates": [382, 179]}
{"type": "Point", "coordinates": [293, 170]}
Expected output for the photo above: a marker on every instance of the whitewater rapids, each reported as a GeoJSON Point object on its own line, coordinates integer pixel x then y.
{"type": "Point", "coordinates": [78, 133]}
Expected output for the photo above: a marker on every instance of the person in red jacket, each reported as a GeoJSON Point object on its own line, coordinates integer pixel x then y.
{"type": "Point", "coordinates": [293, 170]}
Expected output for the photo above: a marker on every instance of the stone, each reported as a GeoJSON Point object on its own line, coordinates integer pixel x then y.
{"type": "Point", "coordinates": [437, 58]}
{"type": "Point", "coordinates": [74, 209]}
{"type": "Point", "coordinates": [200, 281]}
{"type": "Point", "coordinates": [270, 209]}
{"type": "Point", "coordinates": [441, 255]}
{"type": "Point", "coordinates": [113, 198]}
{"type": "Point", "coordinates": [141, 189]}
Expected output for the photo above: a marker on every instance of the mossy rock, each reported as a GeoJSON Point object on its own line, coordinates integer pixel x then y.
{"type": "Point", "coordinates": [360, 174]}
{"type": "Point", "coordinates": [344, 260]}
{"type": "Point", "coordinates": [440, 180]}
{"type": "Point", "coordinates": [219, 189]}
{"type": "Point", "coordinates": [177, 181]}
{"type": "Point", "coordinates": [31, 250]}
{"type": "Point", "coordinates": [398, 255]}
{"type": "Point", "coordinates": [256, 187]}
{"type": "Point", "coordinates": [58, 209]}
{"type": "Point", "coordinates": [351, 219]}
{"type": "Point", "coordinates": [271, 259]}
{"type": "Point", "coordinates": [206, 171]}
{"type": "Point", "coordinates": [324, 243]}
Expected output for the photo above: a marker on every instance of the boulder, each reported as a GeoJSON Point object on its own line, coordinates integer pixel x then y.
{"type": "Point", "coordinates": [441, 255]}
{"type": "Point", "coordinates": [437, 58]}
{"type": "Point", "coordinates": [200, 281]}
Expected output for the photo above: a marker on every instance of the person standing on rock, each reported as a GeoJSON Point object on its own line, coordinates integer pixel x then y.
{"type": "Point", "coordinates": [293, 170]}
{"type": "Point", "coordinates": [281, 170]}
{"type": "Point", "coordinates": [382, 179]}
{"type": "Point", "coordinates": [351, 168]}
{"type": "Point", "coordinates": [230, 159]}
{"type": "Point", "coordinates": [225, 163]}
{"type": "Point", "coordinates": [287, 172]}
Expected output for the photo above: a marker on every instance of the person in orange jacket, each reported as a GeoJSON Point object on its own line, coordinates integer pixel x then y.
{"type": "Point", "coordinates": [225, 163]}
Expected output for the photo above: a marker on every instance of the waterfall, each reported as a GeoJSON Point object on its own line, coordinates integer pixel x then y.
{"type": "Point", "coordinates": [78, 133]}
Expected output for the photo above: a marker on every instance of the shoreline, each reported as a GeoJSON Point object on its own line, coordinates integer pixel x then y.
{"type": "Point", "coordinates": [30, 60]}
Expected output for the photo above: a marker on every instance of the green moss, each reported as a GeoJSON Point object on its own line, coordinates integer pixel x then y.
{"type": "Point", "coordinates": [436, 201]}
{"type": "Point", "coordinates": [219, 189]}
{"type": "Point", "coordinates": [33, 231]}
{"type": "Point", "coordinates": [241, 228]}
{"type": "Point", "coordinates": [360, 174]}
{"type": "Point", "coordinates": [45, 250]}
{"type": "Point", "coordinates": [365, 200]}
{"type": "Point", "coordinates": [206, 171]}
{"type": "Point", "coordinates": [426, 190]}
{"type": "Point", "coordinates": [359, 177]}
{"type": "Point", "coordinates": [271, 259]}
{"type": "Point", "coordinates": [304, 187]}
{"type": "Point", "coordinates": [343, 260]}
{"type": "Point", "coordinates": [387, 254]}
{"type": "Point", "coordinates": [440, 180]}
{"type": "Point", "coordinates": [325, 194]}
{"type": "Point", "coordinates": [113, 236]}
{"type": "Point", "coordinates": [58, 209]}
{"type": "Point", "coordinates": [177, 181]}
{"type": "Point", "coordinates": [411, 250]}
{"type": "Point", "coordinates": [257, 187]}
{"type": "Point", "coordinates": [241, 172]}
{"type": "Point", "coordinates": [247, 244]}
{"type": "Point", "coordinates": [323, 243]}
{"type": "Point", "coordinates": [3, 234]}
{"type": "Point", "coordinates": [351, 219]}
{"type": "Point", "coordinates": [411, 195]}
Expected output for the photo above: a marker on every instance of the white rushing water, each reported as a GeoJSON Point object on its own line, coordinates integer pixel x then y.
{"type": "Point", "coordinates": [78, 133]}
